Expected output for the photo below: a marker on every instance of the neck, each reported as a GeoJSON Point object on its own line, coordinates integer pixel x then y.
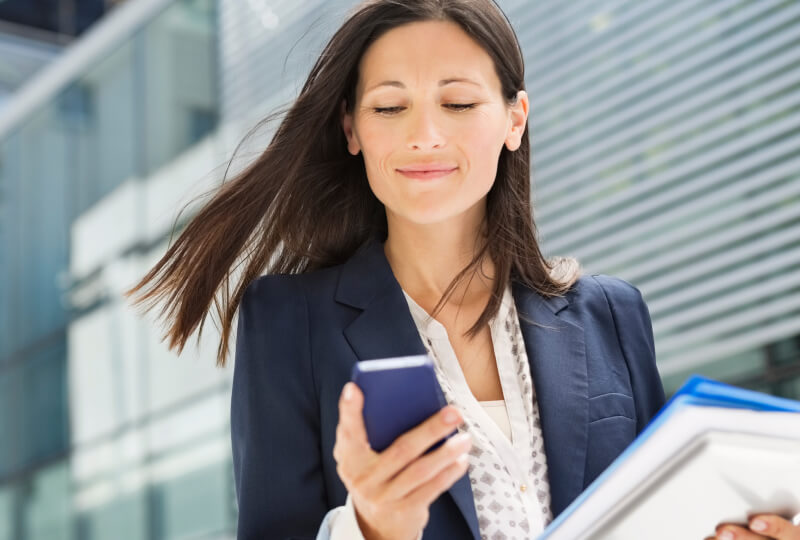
{"type": "Point", "coordinates": [426, 258]}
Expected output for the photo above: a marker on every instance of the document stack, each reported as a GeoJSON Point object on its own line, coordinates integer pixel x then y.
{"type": "Point", "coordinates": [714, 453]}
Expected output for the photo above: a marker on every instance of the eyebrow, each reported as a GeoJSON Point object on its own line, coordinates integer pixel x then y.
{"type": "Point", "coordinates": [443, 82]}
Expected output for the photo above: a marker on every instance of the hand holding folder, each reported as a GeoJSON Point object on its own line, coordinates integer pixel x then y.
{"type": "Point", "coordinates": [713, 454]}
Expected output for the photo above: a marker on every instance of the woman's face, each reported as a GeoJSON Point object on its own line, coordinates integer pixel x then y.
{"type": "Point", "coordinates": [430, 121]}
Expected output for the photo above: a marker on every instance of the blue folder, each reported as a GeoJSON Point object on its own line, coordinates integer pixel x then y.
{"type": "Point", "coordinates": [696, 391]}
{"type": "Point", "coordinates": [702, 391]}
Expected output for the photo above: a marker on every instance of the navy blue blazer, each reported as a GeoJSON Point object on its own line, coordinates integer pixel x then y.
{"type": "Point", "coordinates": [591, 355]}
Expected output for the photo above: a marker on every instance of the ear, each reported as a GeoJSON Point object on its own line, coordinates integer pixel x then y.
{"type": "Point", "coordinates": [347, 125]}
{"type": "Point", "coordinates": [518, 113]}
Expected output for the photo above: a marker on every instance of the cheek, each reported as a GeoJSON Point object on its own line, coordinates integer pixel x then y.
{"type": "Point", "coordinates": [377, 144]}
{"type": "Point", "coordinates": [484, 147]}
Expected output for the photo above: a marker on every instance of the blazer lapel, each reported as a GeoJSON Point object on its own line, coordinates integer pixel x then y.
{"type": "Point", "coordinates": [554, 345]}
{"type": "Point", "coordinates": [385, 328]}
{"type": "Point", "coordinates": [557, 356]}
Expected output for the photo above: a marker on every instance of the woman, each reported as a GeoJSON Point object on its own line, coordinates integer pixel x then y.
{"type": "Point", "coordinates": [392, 214]}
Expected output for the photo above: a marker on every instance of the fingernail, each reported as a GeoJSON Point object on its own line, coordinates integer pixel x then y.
{"type": "Point", "coordinates": [450, 416]}
{"type": "Point", "coordinates": [462, 439]}
{"type": "Point", "coordinates": [758, 525]}
{"type": "Point", "coordinates": [726, 535]}
{"type": "Point", "coordinates": [348, 392]}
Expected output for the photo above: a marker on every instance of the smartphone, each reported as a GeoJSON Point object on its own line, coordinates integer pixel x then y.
{"type": "Point", "coordinates": [399, 394]}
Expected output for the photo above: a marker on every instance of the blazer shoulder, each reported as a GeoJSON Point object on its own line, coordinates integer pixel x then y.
{"type": "Point", "coordinates": [273, 288]}
{"type": "Point", "coordinates": [614, 288]}
{"type": "Point", "coordinates": [269, 286]}
{"type": "Point", "coordinates": [596, 290]}
{"type": "Point", "coordinates": [603, 299]}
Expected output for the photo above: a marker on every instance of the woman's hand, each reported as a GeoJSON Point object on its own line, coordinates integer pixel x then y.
{"type": "Point", "coordinates": [392, 490]}
{"type": "Point", "coordinates": [760, 527]}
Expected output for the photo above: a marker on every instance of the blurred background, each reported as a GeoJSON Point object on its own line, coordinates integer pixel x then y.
{"type": "Point", "coordinates": [666, 151]}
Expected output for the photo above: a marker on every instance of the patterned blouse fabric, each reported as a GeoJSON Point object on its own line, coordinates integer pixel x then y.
{"type": "Point", "coordinates": [508, 477]}
{"type": "Point", "coordinates": [507, 464]}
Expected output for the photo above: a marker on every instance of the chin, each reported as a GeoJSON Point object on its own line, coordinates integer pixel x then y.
{"type": "Point", "coordinates": [429, 216]}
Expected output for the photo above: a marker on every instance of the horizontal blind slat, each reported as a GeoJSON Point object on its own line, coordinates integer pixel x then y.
{"type": "Point", "coordinates": [669, 82]}
{"type": "Point", "coordinates": [584, 223]}
{"type": "Point", "coordinates": [685, 122]}
{"type": "Point", "coordinates": [702, 267]}
{"type": "Point", "coordinates": [661, 306]}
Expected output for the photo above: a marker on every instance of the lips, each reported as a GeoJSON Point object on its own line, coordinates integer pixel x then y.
{"type": "Point", "coordinates": [427, 171]}
{"type": "Point", "coordinates": [426, 175]}
{"type": "Point", "coordinates": [427, 167]}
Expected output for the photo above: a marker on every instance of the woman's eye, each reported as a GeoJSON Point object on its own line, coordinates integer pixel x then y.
{"type": "Point", "coordinates": [461, 106]}
{"type": "Point", "coordinates": [387, 110]}
{"type": "Point", "coordinates": [451, 106]}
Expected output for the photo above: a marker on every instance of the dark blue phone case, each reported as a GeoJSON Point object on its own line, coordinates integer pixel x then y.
{"type": "Point", "coordinates": [399, 394]}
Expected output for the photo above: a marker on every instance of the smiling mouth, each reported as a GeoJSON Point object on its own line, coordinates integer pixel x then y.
{"type": "Point", "coordinates": [427, 175]}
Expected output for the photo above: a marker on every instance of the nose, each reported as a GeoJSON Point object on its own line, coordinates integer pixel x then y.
{"type": "Point", "coordinates": [423, 131]}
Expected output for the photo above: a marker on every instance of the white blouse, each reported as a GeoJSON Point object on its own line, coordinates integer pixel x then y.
{"type": "Point", "coordinates": [496, 410]}
{"type": "Point", "coordinates": [507, 463]}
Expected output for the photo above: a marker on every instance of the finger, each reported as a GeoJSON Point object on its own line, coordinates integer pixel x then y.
{"type": "Point", "coordinates": [773, 526]}
{"type": "Point", "coordinates": [425, 468]}
{"type": "Point", "coordinates": [430, 491]}
{"type": "Point", "coordinates": [735, 532]}
{"type": "Point", "coordinates": [411, 444]}
{"type": "Point", "coordinates": [351, 428]}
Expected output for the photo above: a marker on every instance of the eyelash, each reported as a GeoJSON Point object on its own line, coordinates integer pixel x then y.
{"type": "Point", "coordinates": [391, 110]}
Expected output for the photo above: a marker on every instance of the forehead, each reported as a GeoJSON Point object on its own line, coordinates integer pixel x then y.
{"type": "Point", "coordinates": [427, 51]}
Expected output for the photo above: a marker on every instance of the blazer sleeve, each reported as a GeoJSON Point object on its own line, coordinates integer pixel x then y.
{"type": "Point", "coordinates": [275, 421]}
{"type": "Point", "coordinates": [635, 333]}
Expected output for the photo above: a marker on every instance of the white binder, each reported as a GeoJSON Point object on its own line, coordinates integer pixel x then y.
{"type": "Point", "coordinates": [715, 453]}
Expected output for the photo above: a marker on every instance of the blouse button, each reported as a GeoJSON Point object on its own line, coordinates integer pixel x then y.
{"type": "Point", "coordinates": [523, 487]}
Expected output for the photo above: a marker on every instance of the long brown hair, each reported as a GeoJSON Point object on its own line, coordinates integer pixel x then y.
{"type": "Point", "coordinates": [305, 202]}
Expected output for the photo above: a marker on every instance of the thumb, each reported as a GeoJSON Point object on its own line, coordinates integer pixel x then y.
{"type": "Point", "coordinates": [775, 527]}
{"type": "Point", "coordinates": [351, 413]}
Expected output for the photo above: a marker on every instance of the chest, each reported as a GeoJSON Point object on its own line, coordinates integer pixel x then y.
{"type": "Point", "coordinates": [477, 360]}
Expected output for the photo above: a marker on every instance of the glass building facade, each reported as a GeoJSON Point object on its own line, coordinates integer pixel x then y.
{"type": "Point", "coordinates": [88, 437]}
{"type": "Point", "coordinates": [69, 17]}
{"type": "Point", "coordinates": [664, 139]}
{"type": "Point", "coordinates": [665, 148]}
